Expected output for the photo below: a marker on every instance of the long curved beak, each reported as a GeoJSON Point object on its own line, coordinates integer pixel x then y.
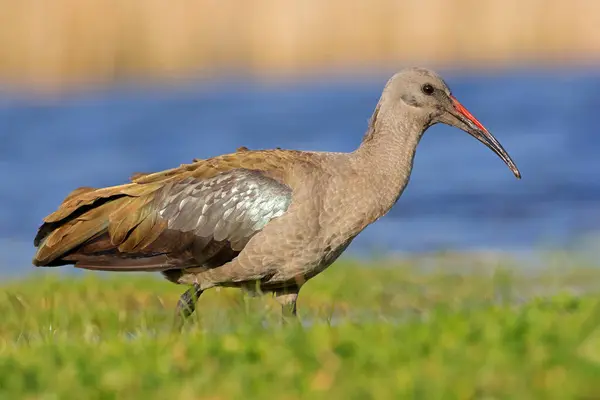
{"type": "Point", "coordinates": [473, 127]}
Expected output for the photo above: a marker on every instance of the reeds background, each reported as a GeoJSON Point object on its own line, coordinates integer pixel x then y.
{"type": "Point", "coordinates": [65, 42]}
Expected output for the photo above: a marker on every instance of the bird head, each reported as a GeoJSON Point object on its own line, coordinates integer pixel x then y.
{"type": "Point", "coordinates": [432, 102]}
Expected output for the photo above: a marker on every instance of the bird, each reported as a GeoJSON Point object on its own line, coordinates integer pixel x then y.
{"type": "Point", "coordinates": [264, 221]}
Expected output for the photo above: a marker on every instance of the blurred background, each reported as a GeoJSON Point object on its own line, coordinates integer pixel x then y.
{"type": "Point", "coordinates": [92, 91]}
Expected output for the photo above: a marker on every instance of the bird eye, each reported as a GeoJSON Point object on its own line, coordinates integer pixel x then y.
{"type": "Point", "coordinates": [427, 89]}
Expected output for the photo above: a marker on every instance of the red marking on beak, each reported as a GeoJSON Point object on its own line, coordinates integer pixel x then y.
{"type": "Point", "coordinates": [462, 109]}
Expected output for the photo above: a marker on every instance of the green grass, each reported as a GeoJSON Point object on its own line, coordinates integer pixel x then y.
{"type": "Point", "coordinates": [392, 330]}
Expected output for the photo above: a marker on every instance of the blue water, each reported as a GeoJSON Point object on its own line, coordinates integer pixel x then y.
{"type": "Point", "coordinates": [461, 196]}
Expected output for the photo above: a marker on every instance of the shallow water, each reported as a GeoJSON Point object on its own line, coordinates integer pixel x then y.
{"type": "Point", "coordinates": [460, 197]}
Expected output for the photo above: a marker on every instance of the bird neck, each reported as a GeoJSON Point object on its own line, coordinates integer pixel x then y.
{"type": "Point", "coordinates": [387, 151]}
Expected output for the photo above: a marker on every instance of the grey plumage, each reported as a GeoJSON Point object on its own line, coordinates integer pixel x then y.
{"type": "Point", "coordinates": [232, 206]}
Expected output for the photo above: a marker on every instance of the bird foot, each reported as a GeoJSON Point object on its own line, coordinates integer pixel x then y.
{"type": "Point", "coordinates": [186, 306]}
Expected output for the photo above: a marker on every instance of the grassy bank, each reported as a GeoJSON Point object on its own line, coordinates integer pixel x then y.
{"type": "Point", "coordinates": [388, 331]}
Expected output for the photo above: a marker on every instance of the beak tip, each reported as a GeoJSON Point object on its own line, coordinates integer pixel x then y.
{"type": "Point", "coordinates": [476, 129]}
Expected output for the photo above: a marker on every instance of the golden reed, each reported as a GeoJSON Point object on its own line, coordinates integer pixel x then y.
{"type": "Point", "coordinates": [56, 43]}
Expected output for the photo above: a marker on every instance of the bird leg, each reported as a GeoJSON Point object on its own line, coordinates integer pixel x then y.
{"type": "Point", "coordinates": [186, 306]}
{"type": "Point", "coordinates": [287, 299]}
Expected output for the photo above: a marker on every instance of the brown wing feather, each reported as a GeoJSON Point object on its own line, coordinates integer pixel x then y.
{"type": "Point", "coordinates": [189, 212]}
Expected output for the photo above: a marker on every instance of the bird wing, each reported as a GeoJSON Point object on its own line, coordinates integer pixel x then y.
{"type": "Point", "coordinates": [200, 214]}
